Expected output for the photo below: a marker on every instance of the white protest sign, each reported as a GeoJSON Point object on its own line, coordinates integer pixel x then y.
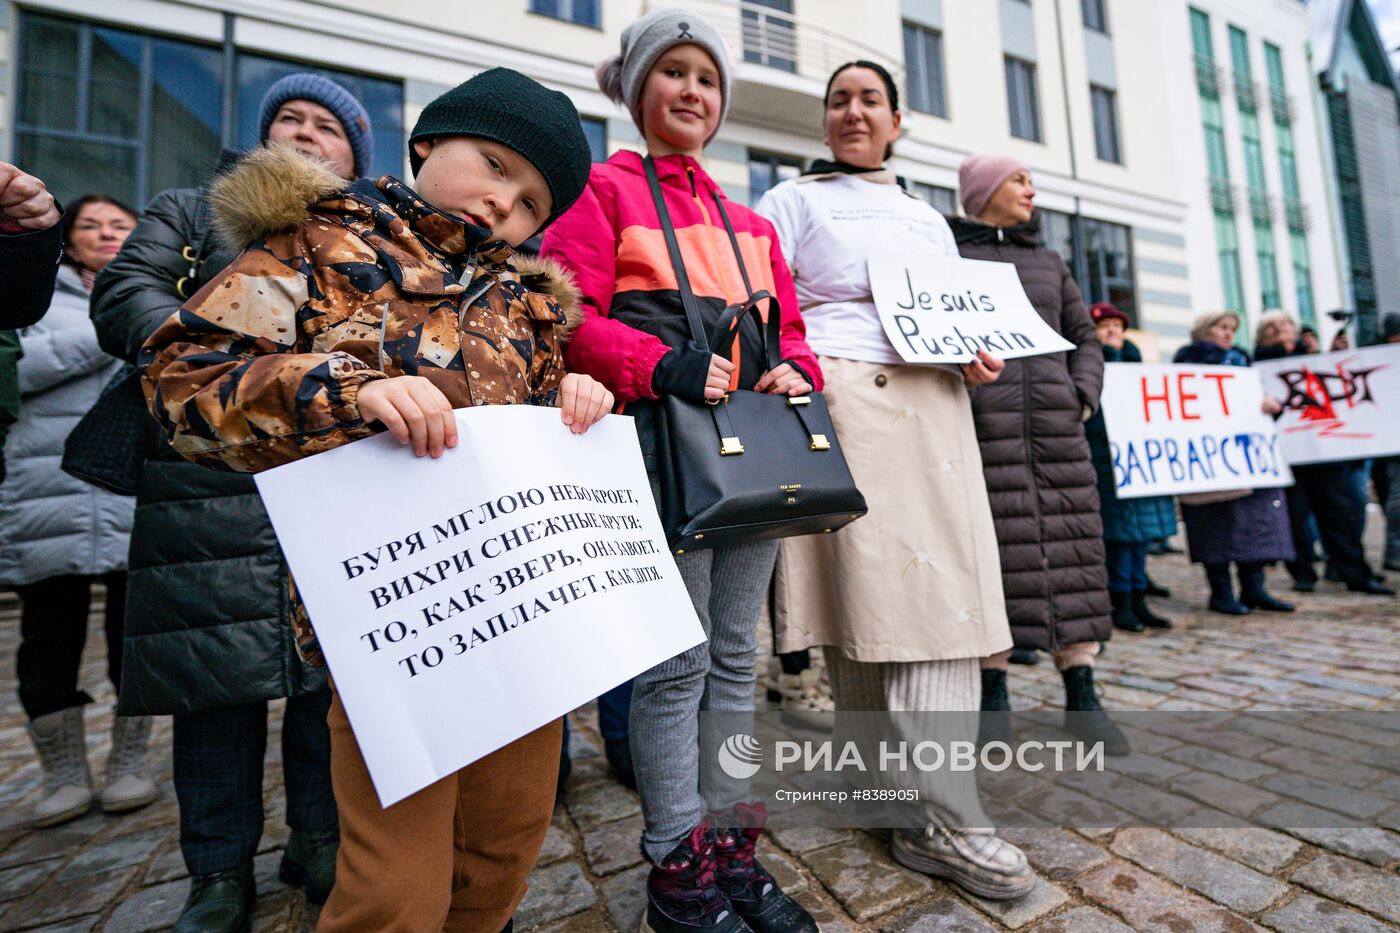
{"type": "Point", "coordinates": [1337, 406]}
{"type": "Point", "coordinates": [463, 602]}
{"type": "Point", "coordinates": [1182, 428]}
{"type": "Point", "coordinates": [942, 309]}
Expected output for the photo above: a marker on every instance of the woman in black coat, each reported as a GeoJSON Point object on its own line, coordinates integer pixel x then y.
{"type": "Point", "coordinates": [1249, 531]}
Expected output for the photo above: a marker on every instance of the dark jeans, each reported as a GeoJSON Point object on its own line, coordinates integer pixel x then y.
{"type": "Point", "coordinates": [1386, 473]}
{"type": "Point", "coordinates": [219, 778]}
{"type": "Point", "coordinates": [53, 630]}
{"type": "Point", "coordinates": [1330, 489]}
{"type": "Point", "coordinates": [1127, 566]}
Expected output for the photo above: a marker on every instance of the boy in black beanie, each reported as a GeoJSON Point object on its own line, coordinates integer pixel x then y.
{"type": "Point", "coordinates": [375, 307]}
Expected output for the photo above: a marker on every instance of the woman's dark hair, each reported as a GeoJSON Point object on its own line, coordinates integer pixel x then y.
{"type": "Point", "coordinates": [891, 91]}
{"type": "Point", "coordinates": [71, 212]}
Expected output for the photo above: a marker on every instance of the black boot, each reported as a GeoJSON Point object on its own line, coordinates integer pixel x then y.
{"type": "Point", "coordinates": [619, 755]}
{"type": "Point", "coordinates": [1084, 717]}
{"type": "Point", "coordinates": [749, 887]}
{"type": "Point", "coordinates": [309, 862]}
{"type": "Point", "coordinates": [1253, 594]}
{"type": "Point", "coordinates": [683, 895]}
{"type": "Point", "coordinates": [1146, 615]}
{"type": "Point", "coordinates": [1124, 612]}
{"type": "Point", "coordinates": [221, 902]}
{"type": "Point", "coordinates": [994, 724]}
{"type": "Point", "coordinates": [1222, 591]}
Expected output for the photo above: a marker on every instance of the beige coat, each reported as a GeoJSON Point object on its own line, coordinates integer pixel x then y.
{"type": "Point", "coordinates": [919, 578]}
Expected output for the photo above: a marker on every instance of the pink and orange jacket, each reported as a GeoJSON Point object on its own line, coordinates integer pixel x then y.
{"type": "Point", "coordinates": [612, 243]}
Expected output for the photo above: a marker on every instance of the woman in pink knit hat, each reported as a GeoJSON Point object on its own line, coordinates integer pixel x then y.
{"type": "Point", "coordinates": [1040, 477]}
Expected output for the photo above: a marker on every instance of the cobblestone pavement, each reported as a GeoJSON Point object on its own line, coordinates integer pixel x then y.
{"type": "Point", "coordinates": [1339, 652]}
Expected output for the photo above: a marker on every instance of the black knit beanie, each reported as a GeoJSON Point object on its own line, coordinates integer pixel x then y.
{"type": "Point", "coordinates": [506, 107]}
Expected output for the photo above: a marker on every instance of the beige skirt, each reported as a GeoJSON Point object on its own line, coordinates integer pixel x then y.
{"type": "Point", "coordinates": [918, 578]}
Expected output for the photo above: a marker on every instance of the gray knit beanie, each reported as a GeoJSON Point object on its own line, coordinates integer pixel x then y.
{"type": "Point", "coordinates": [621, 77]}
{"type": "Point", "coordinates": [353, 117]}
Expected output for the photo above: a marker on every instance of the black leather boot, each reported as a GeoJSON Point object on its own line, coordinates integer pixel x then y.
{"type": "Point", "coordinates": [1145, 615]}
{"type": "Point", "coordinates": [994, 723]}
{"type": "Point", "coordinates": [1124, 612]}
{"type": "Point", "coordinates": [309, 862]}
{"type": "Point", "coordinates": [1253, 594]}
{"type": "Point", "coordinates": [1222, 591]}
{"type": "Point", "coordinates": [221, 902]}
{"type": "Point", "coordinates": [1085, 718]}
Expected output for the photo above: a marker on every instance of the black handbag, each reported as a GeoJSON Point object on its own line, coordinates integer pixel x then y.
{"type": "Point", "coordinates": [753, 465]}
{"type": "Point", "coordinates": [106, 446]}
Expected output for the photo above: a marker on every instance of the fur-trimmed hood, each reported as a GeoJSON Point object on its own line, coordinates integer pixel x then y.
{"type": "Point", "coordinates": [274, 188]}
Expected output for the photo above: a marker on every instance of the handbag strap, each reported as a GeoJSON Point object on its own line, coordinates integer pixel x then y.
{"type": "Point", "coordinates": [692, 310]}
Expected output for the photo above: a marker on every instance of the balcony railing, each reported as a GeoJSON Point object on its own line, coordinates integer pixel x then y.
{"type": "Point", "coordinates": [762, 35]}
{"type": "Point", "coordinates": [1207, 76]}
{"type": "Point", "coordinates": [1222, 194]}
{"type": "Point", "coordinates": [1246, 93]}
{"type": "Point", "coordinates": [1299, 218]}
{"type": "Point", "coordinates": [1282, 107]}
{"type": "Point", "coordinates": [1261, 207]}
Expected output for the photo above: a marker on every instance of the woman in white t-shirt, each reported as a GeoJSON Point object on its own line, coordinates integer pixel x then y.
{"type": "Point", "coordinates": [907, 600]}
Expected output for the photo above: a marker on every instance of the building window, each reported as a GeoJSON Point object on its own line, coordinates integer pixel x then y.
{"type": "Point", "coordinates": [1057, 233]}
{"type": "Point", "coordinates": [770, 38]}
{"type": "Point", "coordinates": [923, 65]}
{"type": "Point", "coordinates": [1105, 105]}
{"type": "Point", "coordinates": [1227, 243]}
{"type": "Point", "coordinates": [596, 132]}
{"type": "Point", "coordinates": [1108, 261]}
{"type": "Point", "coordinates": [117, 112]}
{"type": "Point", "coordinates": [583, 12]}
{"type": "Point", "coordinates": [767, 169]}
{"type": "Point", "coordinates": [1023, 99]}
{"type": "Point", "coordinates": [1095, 16]}
{"type": "Point", "coordinates": [943, 200]}
{"type": "Point", "coordinates": [383, 101]}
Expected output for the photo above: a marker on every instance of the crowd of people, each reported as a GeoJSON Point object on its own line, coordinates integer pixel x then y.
{"type": "Point", "coordinates": [294, 305]}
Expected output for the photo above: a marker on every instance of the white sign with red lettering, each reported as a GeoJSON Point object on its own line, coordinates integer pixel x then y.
{"type": "Point", "coordinates": [466, 601]}
{"type": "Point", "coordinates": [1183, 428]}
{"type": "Point", "coordinates": [1337, 406]}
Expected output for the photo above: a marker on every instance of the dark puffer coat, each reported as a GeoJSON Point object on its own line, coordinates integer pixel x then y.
{"type": "Point", "coordinates": [207, 604]}
{"type": "Point", "coordinates": [1039, 476]}
{"type": "Point", "coordinates": [1132, 521]}
{"type": "Point", "coordinates": [1253, 529]}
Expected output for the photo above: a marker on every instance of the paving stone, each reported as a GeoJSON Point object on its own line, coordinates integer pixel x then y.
{"type": "Point", "coordinates": [595, 804]}
{"type": "Point", "coordinates": [61, 900]}
{"type": "Point", "coordinates": [149, 908]}
{"type": "Point", "coordinates": [864, 879]}
{"type": "Point", "coordinates": [1344, 683]}
{"type": "Point", "coordinates": [624, 896]}
{"type": "Point", "coordinates": [1138, 682]}
{"type": "Point", "coordinates": [1368, 843]}
{"type": "Point", "coordinates": [1307, 914]}
{"type": "Point", "coordinates": [23, 880]}
{"type": "Point", "coordinates": [1354, 883]}
{"type": "Point", "coordinates": [1347, 800]}
{"type": "Point", "coordinates": [118, 852]}
{"type": "Point", "coordinates": [1230, 766]}
{"type": "Point", "coordinates": [1146, 768]}
{"type": "Point", "coordinates": [75, 925]}
{"type": "Point", "coordinates": [1055, 853]}
{"type": "Point", "coordinates": [802, 839]}
{"type": "Point", "coordinates": [168, 866]}
{"type": "Point", "coordinates": [784, 871]}
{"type": "Point", "coordinates": [1082, 920]}
{"type": "Point", "coordinates": [592, 921]}
{"type": "Point", "coordinates": [43, 844]}
{"type": "Point", "coordinates": [557, 844]}
{"type": "Point", "coordinates": [946, 915]}
{"type": "Point", "coordinates": [1324, 768]}
{"type": "Point", "coordinates": [1218, 878]}
{"type": "Point", "coordinates": [613, 846]}
{"type": "Point", "coordinates": [1222, 793]}
{"type": "Point", "coordinates": [1219, 685]}
{"type": "Point", "coordinates": [1151, 905]}
{"type": "Point", "coordinates": [1261, 849]}
{"type": "Point", "coordinates": [1042, 899]}
{"type": "Point", "coordinates": [555, 892]}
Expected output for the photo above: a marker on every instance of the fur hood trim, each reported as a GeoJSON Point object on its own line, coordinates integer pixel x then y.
{"type": "Point", "coordinates": [271, 188]}
{"type": "Point", "coordinates": [550, 278]}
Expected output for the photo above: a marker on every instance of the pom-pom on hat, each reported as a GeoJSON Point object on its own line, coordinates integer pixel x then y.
{"type": "Point", "coordinates": [980, 176]}
{"type": "Point", "coordinates": [506, 107]}
{"type": "Point", "coordinates": [353, 117]}
{"type": "Point", "coordinates": [622, 76]}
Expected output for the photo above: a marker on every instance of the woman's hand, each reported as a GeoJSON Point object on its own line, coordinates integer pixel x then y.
{"type": "Point", "coordinates": [583, 401]}
{"type": "Point", "coordinates": [1271, 406]}
{"type": "Point", "coordinates": [413, 409]}
{"type": "Point", "coordinates": [784, 380]}
{"type": "Point", "coordinates": [986, 368]}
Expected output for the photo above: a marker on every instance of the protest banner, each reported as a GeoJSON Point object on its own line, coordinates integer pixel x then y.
{"type": "Point", "coordinates": [1176, 429]}
{"type": "Point", "coordinates": [465, 601]}
{"type": "Point", "coordinates": [942, 309]}
{"type": "Point", "coordinates": [1337, 406]}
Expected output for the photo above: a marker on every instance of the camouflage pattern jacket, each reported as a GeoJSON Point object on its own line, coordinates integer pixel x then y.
{"type": "Point", "coordinates": [334, 287]}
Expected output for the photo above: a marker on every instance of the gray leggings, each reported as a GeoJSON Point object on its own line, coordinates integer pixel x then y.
{"type": "Point", "coordinates": [727, 586]}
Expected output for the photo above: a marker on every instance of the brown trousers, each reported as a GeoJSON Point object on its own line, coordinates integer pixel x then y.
{"type": "Point", "coordinates": [454, 856]}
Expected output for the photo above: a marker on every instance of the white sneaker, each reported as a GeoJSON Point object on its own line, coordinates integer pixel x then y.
{"type": "Point", "coordinates": [58, 738]}
{"type": "Point", "coordinates": [801, 699]}
{"type": "Point", "coordinates": [976, 860]}
{"type": "Point", "coordinates": [128, 787]}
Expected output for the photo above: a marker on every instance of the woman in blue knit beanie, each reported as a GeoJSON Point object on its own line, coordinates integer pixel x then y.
{"type": "Point", "coordinates": [325, 112]}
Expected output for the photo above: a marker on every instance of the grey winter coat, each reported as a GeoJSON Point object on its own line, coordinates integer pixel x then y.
{"type": "Point", "coordinates": [1040, 479]}
{"type": "Point", "coordinates": [50, 523]}
{"type": "Point", "coordinates": [207, 622]}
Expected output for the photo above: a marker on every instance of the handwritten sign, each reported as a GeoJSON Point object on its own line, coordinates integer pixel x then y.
{"type": "Point", "coordinates": [1177, 429]}
{"type": "Point", "coordinates": [464, 602]}
{"type": "Point", "coordinates": [942, 309]}
{"type": "Point", "coordinates": [1337, 406]}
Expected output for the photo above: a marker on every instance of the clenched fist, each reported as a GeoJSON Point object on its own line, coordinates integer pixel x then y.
{"type": "Point", "coordinates": [25, 204]}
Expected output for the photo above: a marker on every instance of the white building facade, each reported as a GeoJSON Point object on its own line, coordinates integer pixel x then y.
{"type": "Point", "coordinates": [1099, 97]}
